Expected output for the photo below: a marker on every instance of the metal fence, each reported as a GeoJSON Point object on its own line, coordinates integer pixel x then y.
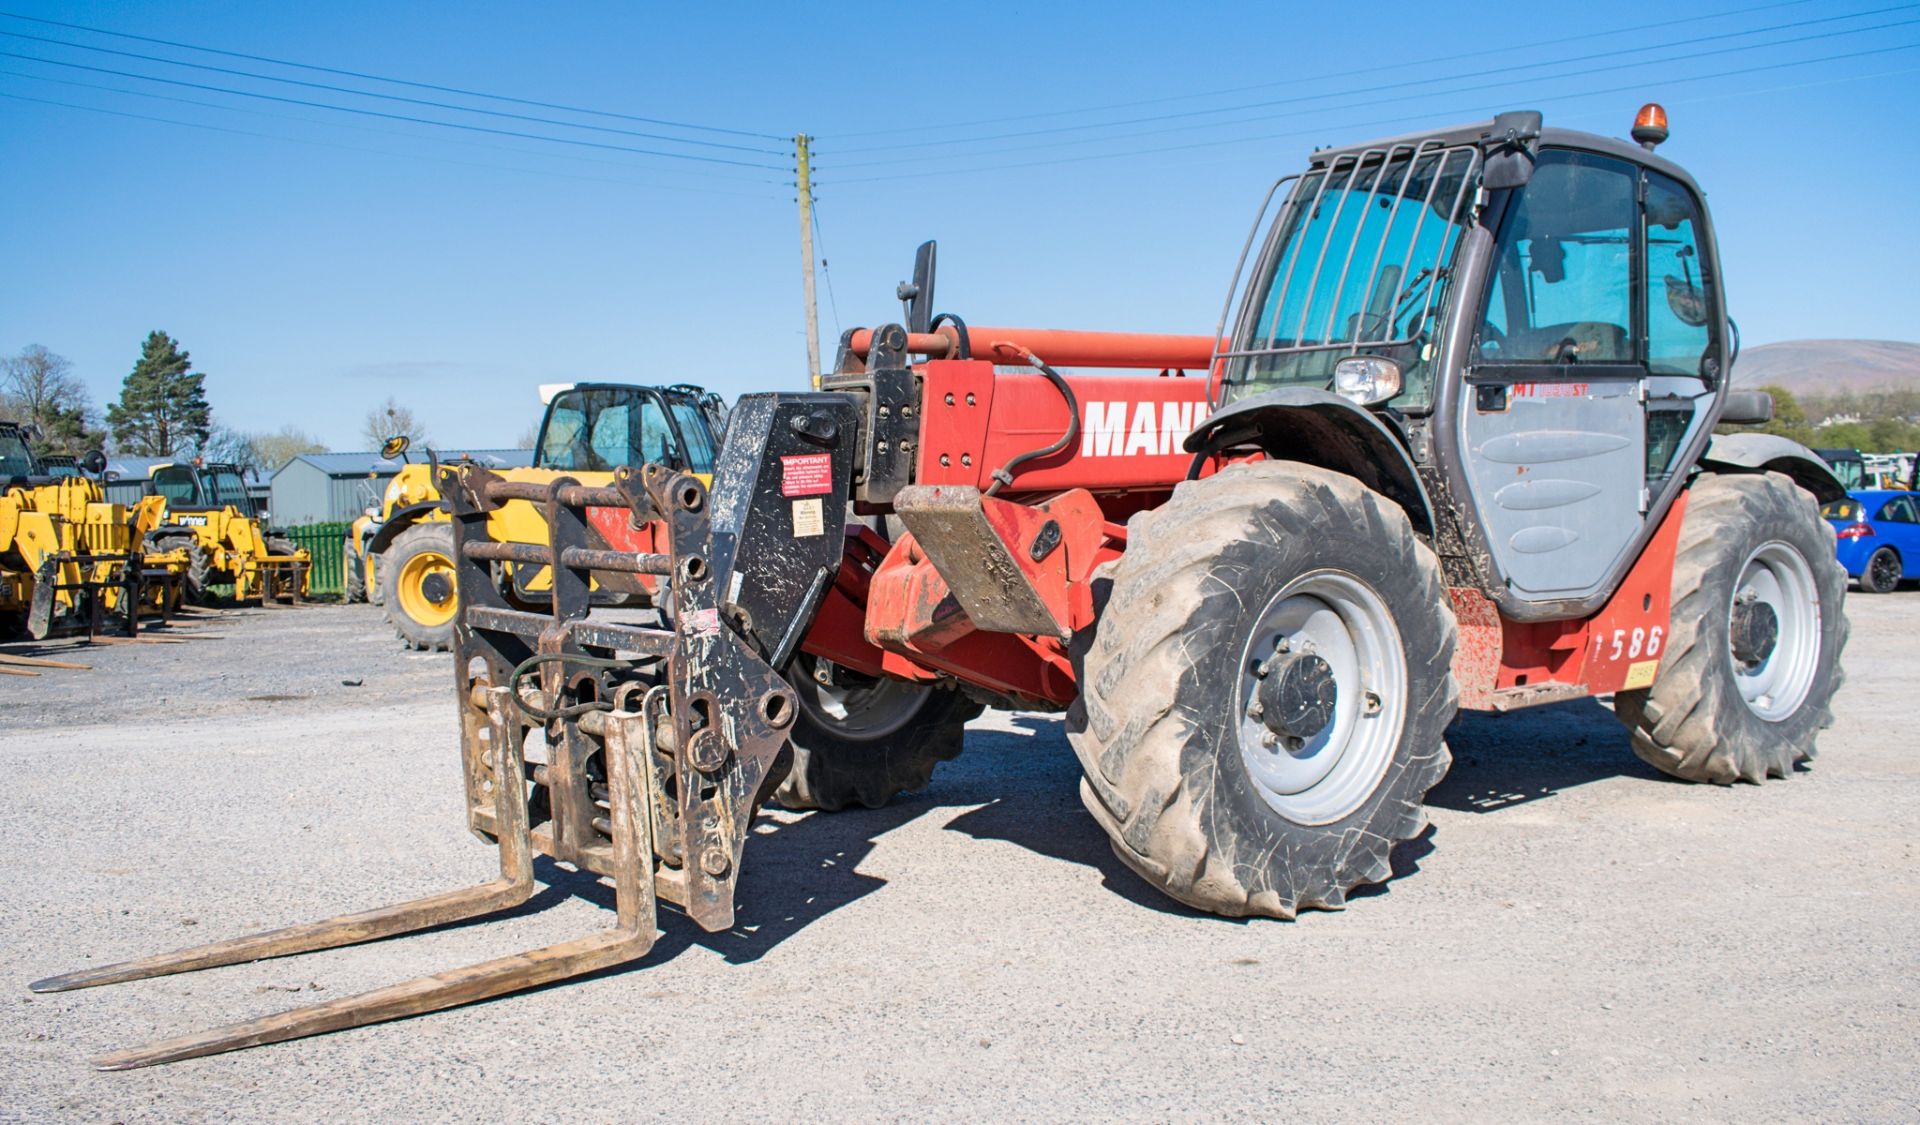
{"type": "Point", "coordinates": [326, 546]}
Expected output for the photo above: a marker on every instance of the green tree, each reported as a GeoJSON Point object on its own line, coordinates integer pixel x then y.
{"type": "Point", "coordinates": [163, 402]}
{"type": "Point", "coordinates": [1843, 435]}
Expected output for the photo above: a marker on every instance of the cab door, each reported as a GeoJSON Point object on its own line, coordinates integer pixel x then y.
{"type": "Point", "coordinates": [1584, 382]}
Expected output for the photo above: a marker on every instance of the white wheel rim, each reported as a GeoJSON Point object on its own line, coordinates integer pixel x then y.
{"type": "Point", "coordinates": [1778, 576]}
{"type": "Point", "coordinates": [1328, 776]}
{"type": "Point", "coordinates": [863, 713]}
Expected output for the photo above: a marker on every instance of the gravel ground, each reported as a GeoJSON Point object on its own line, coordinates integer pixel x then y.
{"type": "Point", "coordinates": [1575, 936]}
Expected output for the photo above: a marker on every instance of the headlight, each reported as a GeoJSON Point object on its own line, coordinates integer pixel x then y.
{"type": "Point", "coordinates": [1366, 379]}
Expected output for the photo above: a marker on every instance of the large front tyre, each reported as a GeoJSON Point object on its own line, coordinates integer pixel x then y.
{"type": "Point", "coordinates": [417, 583]}
{"type": "Point", "coordinates": [1264, 702]}
{"type": "Point", "coordinates": [857, 740]}
{"type": "Point", "coordinates": [1753, 656]}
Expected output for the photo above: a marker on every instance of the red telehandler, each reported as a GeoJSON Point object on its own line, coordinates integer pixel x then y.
{"type": "Point", "coordinates": [1455, 448]}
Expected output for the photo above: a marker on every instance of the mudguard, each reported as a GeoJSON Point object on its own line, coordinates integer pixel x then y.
{"type": "Point", "coordinates": [1317, 427]}
{"type": "Point", "coordinates": [1762, 453]}
{"type": "Point", "coordinates": [402, 519]}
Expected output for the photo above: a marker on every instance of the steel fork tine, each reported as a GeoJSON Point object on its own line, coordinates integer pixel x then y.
{"type": "Point", "coordinates": [514, 887]}
{"type": "Point", "coordinates": [630, 787]}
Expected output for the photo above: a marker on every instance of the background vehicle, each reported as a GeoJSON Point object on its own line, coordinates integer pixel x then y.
{"type": "Point", "coordinates": [1877, 536]}
{"type": "Point", "coordinates": [401, 555]}
{"type": "Point", "coordinates": [69, 560]}
{"type": "Point", "coordinates": [1849, 466]}
{"type": "Point", "coordinates": [211, 518]}
{"type": "Point", "coordinates": [1452, 453]}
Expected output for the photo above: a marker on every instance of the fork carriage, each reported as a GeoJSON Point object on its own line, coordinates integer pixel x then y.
{"type": "Point", "coordinates": [613, 702]}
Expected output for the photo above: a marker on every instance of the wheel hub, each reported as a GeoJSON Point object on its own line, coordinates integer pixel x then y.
{"type": "Point", "coordinates": [436, 586]}
{"type": "Point", "coordinates": [1321, 699]}
{"type": "Point", "coordinates": [1756, 629]}
{"type": "Point", "coordinates": [1297, 695]}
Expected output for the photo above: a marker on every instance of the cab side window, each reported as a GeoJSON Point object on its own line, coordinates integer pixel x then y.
{"type": "Point", "coordinates": [1562, 290]}
{"type": "Point", "coordinates": [609, 440]}
{"type": "Point", "coordinates": [1900, 509]}
{"type": "Point", "coordinates": [1677, 303]}
{"type": "Point", "coordinates": [562, 447]}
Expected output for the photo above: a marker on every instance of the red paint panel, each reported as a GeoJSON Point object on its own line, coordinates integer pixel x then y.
{"type": "Point", "coordinates": [1631, 629]}
{"type": "Point", "coordinates": [1062, 347]}
{"type": "Point", "coordinates": [616, 529]}
{"type": "Point", "coordinates": [1131, 428]}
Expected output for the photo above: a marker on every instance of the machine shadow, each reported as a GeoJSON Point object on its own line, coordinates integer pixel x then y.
{"type": "Point", "coordinates": [1504, 760]}
{"type": "Point", "coordinates": [798, 869]}
{"type": "Point", "coordinates": [1021, 786]}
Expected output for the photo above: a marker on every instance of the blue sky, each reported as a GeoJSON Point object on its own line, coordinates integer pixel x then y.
{"type": "Point", "coordinates": [315, 262]}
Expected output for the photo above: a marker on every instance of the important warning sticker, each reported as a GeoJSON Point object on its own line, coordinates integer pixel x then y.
{"type": "Point", "coordinates": [1640, 674]}
{"type": "Point", "coordinates": [809, 518]}
{"type": "Point", "coordinates": [806, 474]}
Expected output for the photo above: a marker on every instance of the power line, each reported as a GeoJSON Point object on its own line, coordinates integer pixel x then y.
{"type": "Point", "coordinates": [1371, 69]}
{"type": "Point", "coordinates": [154, 96]}
{"type": "Point", "coordinates": [377, 151]}
{"type": "Point", "coordinates": [1495, 107]}
{"type": "Point", "coordinates": [1411, 83]}
{"type": "Point", "coordinates": [393, 81]}
{"type": "Point", "coordinates": [821, 247]}
{"type": "Point", "coordinates": [398, 116]}
{"type": "Point", "coordinates": [1380, 101]}
{"type": "Point", "coordinates": [394, 97]}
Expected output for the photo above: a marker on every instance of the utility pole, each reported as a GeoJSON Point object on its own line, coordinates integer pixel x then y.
{"type": "Point", "coordinates": [805, 183]}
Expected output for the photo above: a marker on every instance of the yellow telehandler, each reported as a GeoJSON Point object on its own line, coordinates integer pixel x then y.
{"type": "Point", "coordinates": [208, 516]}
{"type": "Point", "coordinates": [400, 554]}
{"type": "Point", "coordinates": [70, 561]}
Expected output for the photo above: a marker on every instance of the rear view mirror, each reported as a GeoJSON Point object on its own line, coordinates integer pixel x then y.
{"type": "Point", "coordinates": [395, 446]}
{"type": "Point", "coordinates": [1509, 150]}
{"type": "Point", "coordinates": [95, 462]}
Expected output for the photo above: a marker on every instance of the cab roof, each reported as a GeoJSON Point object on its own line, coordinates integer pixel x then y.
{"type": "Point", "coordinates": [1484, 132]}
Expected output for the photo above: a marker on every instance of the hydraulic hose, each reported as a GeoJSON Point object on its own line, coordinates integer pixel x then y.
{"type": "Point", "coordinates": [578, 709]}
{"type": "Point", "coordinates": [963, 345]}
{"type": "Point", "coordinates": [1004, 474]}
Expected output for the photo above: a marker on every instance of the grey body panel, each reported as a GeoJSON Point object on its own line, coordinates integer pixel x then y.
{"type": "Point", "coordinates": [1772, 453]}
{"type": "Point", "coordinates": [1556, 479]}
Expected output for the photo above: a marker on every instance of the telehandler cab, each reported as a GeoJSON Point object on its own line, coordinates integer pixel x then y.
{"type": "Point", "coordinates": [400, 554]}
{"type": "Point", "coordinates": [1456, 450]}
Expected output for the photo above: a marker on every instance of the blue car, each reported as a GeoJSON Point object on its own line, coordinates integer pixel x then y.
{"type": "Point", "coordinates": [1877, 536]}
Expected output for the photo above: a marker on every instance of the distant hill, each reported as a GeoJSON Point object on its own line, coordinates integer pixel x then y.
{"type": "Point", "coordinates": [1815, 366]}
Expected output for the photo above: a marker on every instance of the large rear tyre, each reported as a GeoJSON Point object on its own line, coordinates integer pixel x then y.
{"type": "Point", "coordinates": [862, 741]}
{"type": "Point", "coordinates": [417, 579]}
{"type": "Point", "coordinates": [1263, 705]}
{"type": "Point", "coordinates": [1753, 656]}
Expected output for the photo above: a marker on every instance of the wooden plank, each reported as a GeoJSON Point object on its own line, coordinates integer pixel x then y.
{"type": "Point", "coordinates": [42, 662]}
